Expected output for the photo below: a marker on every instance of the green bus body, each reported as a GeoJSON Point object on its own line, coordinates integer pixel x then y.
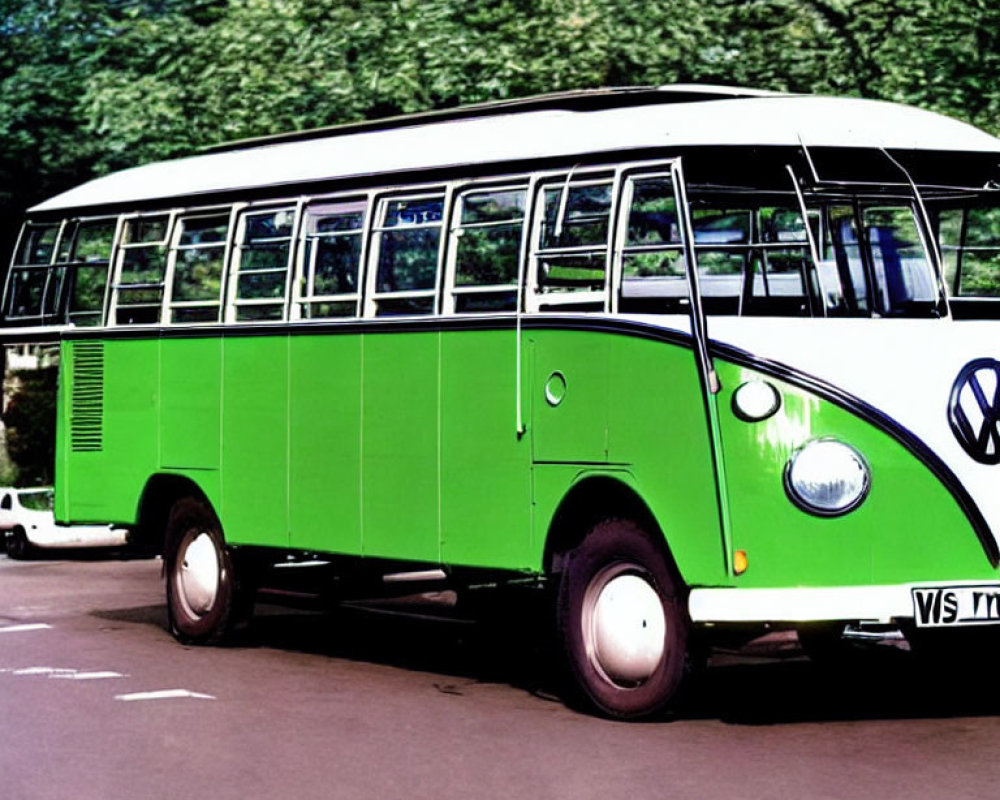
{"type": "Point", "coordinates": [402, 444]}
{"type": "Point", "coordinates": [661, 353]}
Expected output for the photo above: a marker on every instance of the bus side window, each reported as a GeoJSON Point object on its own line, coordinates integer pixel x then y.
{"type": "Point", "coordinates": [32, 282]}
{"type": "Point", "coordinates": [569, 262]}
{"type": "Point", "coordinates": [486, 251]}
{"type": "Point", "coordinates": [903, 274]}
{"type": "Point", "coordinates": [197, 257]}
{"type": "Point", "coordinates": [970, 245]}
{"type": "Point", "coordinates": [407, 243]}
{"type": "Point", "coordinates": [85, 249]}
{"type": "Point", "coordinates": [653, 272]}
{"type": "Point", "coordinates": [261, 264]}
{"type": "Point", "coordinates": [841, 249]}
{"type": "Point", "coordinates": [330, 277]}
{"type": "Point", "coordinates": [782, 267]}
{"type": "Point", "coordinates": [142, 266]}
{"type": "Point", "coordinates": [721, 239]}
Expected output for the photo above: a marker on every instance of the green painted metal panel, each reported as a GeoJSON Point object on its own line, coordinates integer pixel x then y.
{"type": "Point", "coordinates": [658, 425]}
{"type": "Point", "coordinates": [254, 507]}
{"type": "Point", "coordinates": [325, 443]}
{"type": "Point", "coordinates": [637, 403]}
{"type": "Point", "coordinates": [569, 396]}
{"type": "Point", "coordinates": [485, 464]}
{"type": "Point", "coordinates": [105, 483]}
{"type": "Point", "coordinates": [190, 415]}
{"type": "Point", "coordinates": [400, 501]}
{"type": "Point", "coordinates": [910, 528]}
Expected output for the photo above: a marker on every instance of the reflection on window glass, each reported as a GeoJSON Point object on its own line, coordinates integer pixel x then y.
{"type": "Point", "coordinates": [332, 257]}
{"type": "Point", "coordinates": [85, 247]}
{"type": "Point", "coordinates": [652, 216]}
{"type": "Point", "coordinates": [93, 241]}
{"type": "Point", "coordinates": [577, 216]}
{"type": "Point", "coordinates": [37, 244]}
{"type": "Point", "coordinates": [720, 226]}
{"type": "Point", "coordinates": [902, 272]}
{"type": "Point", "coordinates": [488, 249]}
{"type": "Point", "coordinates": [409, 244]}
{"type": "Point", "coordinates": [25, 292]}
{"type": "Point", "coordinates": [262, 264]}
{"type": "Point", "coordinates": [572, 246]}
{"type": "Point", "coordinates": [842, 248]}
{"type": "Point", "coordinates": [143, 260]}
{"type": "Point", "coordinates": [198, 261]}
{"type": "Point", "coordinates": [970, 247]}
{"type": "Point", "coordinates": [86, 297]}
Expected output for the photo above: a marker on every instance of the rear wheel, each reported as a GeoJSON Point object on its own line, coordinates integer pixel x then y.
{"type": "Point", "coordinates": [18, 546]}
{"type": "Point", "coordinates": [205, 600]}
{"type": "Point", "coordinates": [622, 622]}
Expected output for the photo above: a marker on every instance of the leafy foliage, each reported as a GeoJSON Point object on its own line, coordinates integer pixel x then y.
{"type": "Point", "coordinates": [30, 419]}
{"type": "Point", "coordinates": [89, 86]}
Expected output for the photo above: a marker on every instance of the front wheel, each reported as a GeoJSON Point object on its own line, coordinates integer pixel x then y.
{"type": "Point", "coordinates": [204, 599]}
{"type": "Point", "coordinates": [622, 622]}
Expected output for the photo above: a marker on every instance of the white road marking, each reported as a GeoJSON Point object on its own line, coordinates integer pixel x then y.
{"type": "Point", "coordinates": [32, 626]}
{"type": "Point", "coordinates": [43, 671]}
{"type": "Point", "coordinates": [73, 675]}
{"type": "Point", "coordinates": [163, 694]}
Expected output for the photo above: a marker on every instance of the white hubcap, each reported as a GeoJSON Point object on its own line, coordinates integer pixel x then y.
{"type": "Point", "coordinates": [199, 574]}
{"type": "Point", "coordinates": [625, 626]}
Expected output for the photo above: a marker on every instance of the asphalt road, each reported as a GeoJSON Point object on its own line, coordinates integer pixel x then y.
{"type": "Point", "coordinates": [98, 701]}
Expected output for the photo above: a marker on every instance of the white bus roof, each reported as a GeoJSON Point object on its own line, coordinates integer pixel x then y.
{"type": "Point", "coordinates": [668, 117]}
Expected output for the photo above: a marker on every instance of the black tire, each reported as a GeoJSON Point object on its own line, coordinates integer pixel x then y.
{"type": "Point", "coordinates": [625, 682]}
{"type": "Point", "coordinates": [205, 601]}
{"type": "Point", "coordinates": [18, 546]}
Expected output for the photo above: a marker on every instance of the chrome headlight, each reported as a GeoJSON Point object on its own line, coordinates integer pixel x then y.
{"type": "Point", "coordinates": [827, 477]}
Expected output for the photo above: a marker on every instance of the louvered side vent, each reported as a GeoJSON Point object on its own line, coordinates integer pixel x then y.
{"type": "Point", "coordinates": [87, 405]}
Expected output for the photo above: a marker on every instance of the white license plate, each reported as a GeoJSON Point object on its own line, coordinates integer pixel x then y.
{"type": "Point", "coordinates": [953, 606]}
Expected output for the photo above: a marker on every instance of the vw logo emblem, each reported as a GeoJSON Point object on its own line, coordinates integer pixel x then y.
{"type": "Point", "coordinates": [974, 409]}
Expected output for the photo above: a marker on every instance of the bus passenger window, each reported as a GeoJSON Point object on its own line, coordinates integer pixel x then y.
{"type": "Point", "coordinates": [408, 242]}
{"type": "Point", "coordinates": [721, 239]}
{"type": "Point", "coordinates": [142, 260]}
{"type": "Point", "coordinates": [331, 259]}
{"type": "Point", "coordinates": [842, 250]}
{"type": "Point", "coordinates": [570, 258]}
{"type": "Point", "coordinates": [198, 255]}
{"type": "Point", "coordinates": [261, 265]}
{"type": "Point", "coordinates": [86, 250]}
{"type": "Point", "coordinates": [970, 245]}
{"type": "Point", "coordinates": [653, 271]}
{"type": "Point", "coordinates": [781, 265]}
{"type": "Point", "coordinates": [30, 274]}
{"type": "Point", "coordinates": [905, 280]}
{"type": "Point", "coordinates": [487, 250]}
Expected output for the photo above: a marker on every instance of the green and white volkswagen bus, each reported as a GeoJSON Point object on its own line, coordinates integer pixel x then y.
{"type": "Point", "coordinates": [691, 357]}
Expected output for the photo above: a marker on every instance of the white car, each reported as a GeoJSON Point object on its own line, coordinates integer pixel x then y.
{"type": "Point", "coordinates": [27, 522]}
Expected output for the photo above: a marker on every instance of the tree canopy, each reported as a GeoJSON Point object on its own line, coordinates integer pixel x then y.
{"type": "Point", "coordinates": [90, 86]}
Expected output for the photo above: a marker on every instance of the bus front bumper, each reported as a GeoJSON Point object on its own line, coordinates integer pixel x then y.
{"type": "Point", "coordinates": [928, 604]}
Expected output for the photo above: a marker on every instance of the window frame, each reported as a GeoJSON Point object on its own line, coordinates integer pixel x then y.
{"type": "Point", "coordinates": [535, 301]}
{"type": "Point", "coordinates": [174, 247]}
{"type": "Point", "coordinates": [122, 248]}
{"type": "Point", "coordinates": [381, 201]}
{"type": "Point", "coordinates": [235, 252]}
{"type": "Point", "coordinates": [450, 289]}
{"type": "Point", "coordinates": [305, 273]}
